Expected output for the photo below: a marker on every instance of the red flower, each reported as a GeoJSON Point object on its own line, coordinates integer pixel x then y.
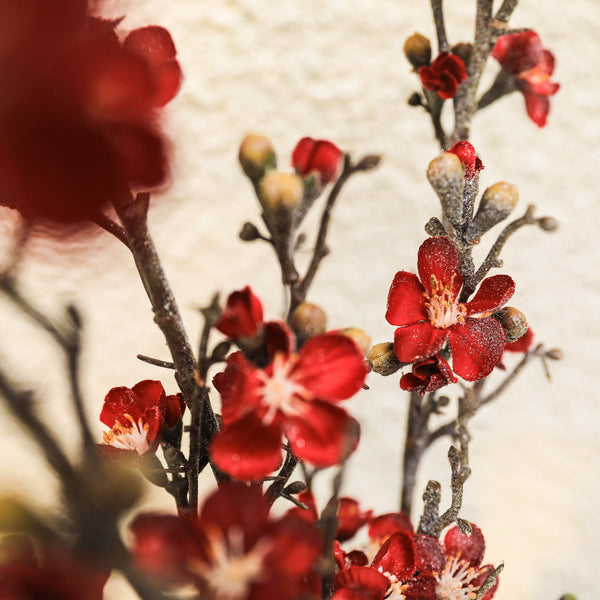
{"type": "Point", "coordinates": [78, 115]}
{"type": "Point", "coordinates": [444, 75]}
{"type": "Point", "coordinates": [522, 56]}
{"type": "Point", "coordinates": [242, 315]}
{"type": "Point", "coordinates": [469, 159]}
{"type": "Point", "coordinates": [294, 395]}
{"type": "Point", "coordinates": [136, 417]}
{"type": "Point", "coordinates": [428, 375]}
{"type": "Point", "coordinates": [317, 156]}
{"type": "Point", "coordinates": [232, 550]}
{"type": "Point", "coordinates": [521, 345]}
{"type": "Point", "coordinates": [427, 312]}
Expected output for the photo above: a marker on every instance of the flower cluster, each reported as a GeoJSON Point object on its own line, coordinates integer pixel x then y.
{"type": "Point", "coordinates": [78, 114]}
{"type": "Point", "coordinates": [444, 75]}
{"type": "Point", "coordinates": [274, 389]}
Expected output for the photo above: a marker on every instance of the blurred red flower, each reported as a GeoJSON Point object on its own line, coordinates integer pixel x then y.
{"type": "Point", "coordinates": [317, 156]}
{"type": "Point", "coordinates": [444, 75]}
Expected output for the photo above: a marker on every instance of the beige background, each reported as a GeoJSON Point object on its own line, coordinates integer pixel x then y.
{"type": "Point", "coordinates": [335, 69]}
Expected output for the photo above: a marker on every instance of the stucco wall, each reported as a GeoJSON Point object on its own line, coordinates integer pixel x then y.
{"type": "Point", "coordinates": [335, 69]}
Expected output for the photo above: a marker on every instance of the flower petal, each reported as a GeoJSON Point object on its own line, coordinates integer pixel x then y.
{"type": "Point", "coordinates": [150, 394]}
{"type": "Point", "coordinates": [247, 449]}
{"type": "Point", "coordinates": [331, 367]}
{"type": "Point", "coordinates": [406, 300]}
{"type": "Point", "coordinates": [438, 257]}
{"type": "Point", "coordinates": [242, 315]}
{"type": "Point", "coordinates": [323, 435]}
{"type": "Point", "coordinates": [417, 341]}
{"type": "Point", "coordinates": [476, 346]}
{"type": "Point", "coordinates": [493, 293]}
{"type": "Point", "coordinates": [118, 402]}
{"type": "Point", "coordinates": [537, 107]}
{"type": "Point", "coordinates": [466, 547]}
{"type": "Point", "coordinates": [397, 556]}
{"type": "Point", "coordinates": [360, 583]}
{"type": "Point", "coordinates": [518, 52]}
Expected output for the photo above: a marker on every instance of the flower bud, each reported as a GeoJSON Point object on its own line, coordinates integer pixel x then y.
{"type": "Point", "coordinates": [497, 202]}
{"type": "Point", "coordinates": [308, 320]}
{"type": "Point", "coordinates": [249, 232]}
{"type": "Point", "coordinates": [447, 177]}
{"type": "Point", "coordinates": [280, 192]}
{"type": "Point", "coordinates": [555, 354]}
{"type": "Point", "coordinates": [383, 358]}
{"type": "Point", "coordinates": [360, 338]}
{"type": "Point", "coordinates": [256, 155]}
{"type": "Point", "coordinates": [464, 50]}
{"type": "Point", "coordinates": [548, 223]}
{"type": "Point", "coordinates": [417, 49]}
{"type": "Point", "coordinates": [513, 322]}
{"type": "Point", "coordinates": [468, 157]}
{"type": "Point", "coordinates": [319, 157]}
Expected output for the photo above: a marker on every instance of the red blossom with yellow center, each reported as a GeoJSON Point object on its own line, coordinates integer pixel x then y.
{"type": "Point", "coordinates": [428, 314]}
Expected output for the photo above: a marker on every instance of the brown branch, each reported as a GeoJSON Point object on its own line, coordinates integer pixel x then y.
{"type": "Point", "coordinates": [440, 28]}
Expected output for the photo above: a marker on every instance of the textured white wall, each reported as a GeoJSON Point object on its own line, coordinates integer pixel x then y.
{"type": "Point", "coordinates": [335, 69]}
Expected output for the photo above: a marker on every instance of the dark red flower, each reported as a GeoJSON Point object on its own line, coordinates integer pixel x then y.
{"type": "Point", "coordinates": [521, 345]}
{"type": "Point", "coordinates": [135, 416]}
{"type": "Point", "coordinates": [174, 409]}
{"type": "Point", "coordinates": [523, 57]}
{"type": "Point", "coordinates": [295, 395]}
{"type": "Point", "coordinates": [428, 315]}
{"type": "Point", "coordinates": [428, 375]}
{"type": "Point", "coordinates": [233, 550]}
{"type": "Point", "coordinates": [468, 157]}
{"type": "Point", "coordinates": [317, 156]}
{"type": "Point", "coordinates": [242, 315]}
{"type": "Point", "coordinates": [360, 583]}
{"type": "Point", "coordinates": [444, 75]}
{"type": "Point", "coordinates": [78, 114]}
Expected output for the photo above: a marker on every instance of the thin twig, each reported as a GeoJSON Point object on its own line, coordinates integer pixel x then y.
{"type": "Point", "coordinates": [156, 361]}
{"type": "Point", "coordinates": [440, 28]}
{"type": "Point", "coordinates": [112, 227]}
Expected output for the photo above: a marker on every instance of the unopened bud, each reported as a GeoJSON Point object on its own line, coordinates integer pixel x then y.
{"type": "Point", "coordinates": [417, 49]}
{"type": "Point", "coordinates": [464, 50]}
{"type": "Point", "coordinates": [447, 177]}
{"type": "Point", "coordinates": [497, 202]}
{"type": "Point", "coordinates": [548, 223]}
{"type": "Point", "coordinates": [513, 322]}
{"type": "Point", "coordinates": [415, 99]}
{"type": "Point", "coordinates": [308, 320]}
{"type": "Point", "coordinates": [279, 192]}
{"type": "Point", "coordinates": [555, 354]}
{"type": "Point", "coordinates": [383, 358]}
{"type": "Point", "coordinates": [360, 338]}
{"type": "Point", "coordinates": [295, 488]}
{"type": "Point", "coordinates": [249, 232]}
{"type": "Point", "coordinates": [256, 155]}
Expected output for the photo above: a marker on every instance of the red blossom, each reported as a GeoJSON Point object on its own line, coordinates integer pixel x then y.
{"type": "Point", "coordinates": [428, 375]}
{"type": "Point", "coordinates": [232, 550]}
{"type": "Point", "coordinates": [296, 395]}
{"type": "Point", "coordinates": [444, 75]}
{"type": "Point", "coordinates": [427, 313]}
{"type": "Point", "coordinates": [136, 417]}
{"type": "Point", "coordinates": [523, 57]}
{"type": "Point", "coordinates": [360, 583]}
{"type": "Point", "coordinates": [522, 345]}
{"type": "Point", "coordinates": [242, 315]}
{"type": "Point", "coordinates": [470, 161]}
{"type": "Point", "coordinates": [78, 115]}
{"type": "Point", "coordinates": [317, 156]}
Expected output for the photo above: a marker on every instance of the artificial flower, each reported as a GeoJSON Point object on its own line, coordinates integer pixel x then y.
{"type": "Point", "coordinates": [444, 75]}
{"type": "Point", "coordinates": [242, 315]}
{"type": "Point", "coordinates": [468, 157]}
{"type": "Point", "coordinates": [427, 313]}
{"type": "Point", "coordinates": [428, 375]}
{"type": "Point", "coordinates": [530, 65]}
{"type": "Point", "coordinates": [232, 551]}
{"type": "Point", "coordinates": [317, 156]}
{"type": "Point", "coordinates": [296, 395]}
{"type": "Point", "coordinates": [136, 417]}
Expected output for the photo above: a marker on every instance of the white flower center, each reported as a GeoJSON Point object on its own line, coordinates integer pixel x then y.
{"type": "Point", "coordinates": [455, 581]}
{"type": "Point", "coordinates": [133, 436]}
{"type": "Point", "coordinates": [442, 309]}
{"type": "Point", "coordinates": [280, 392]}
{"type": "Point", "coordinates": [232, 571]}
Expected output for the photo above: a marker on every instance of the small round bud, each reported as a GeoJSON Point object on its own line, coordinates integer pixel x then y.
{"type": "Point", "coordinates": [415, 99]}
{"type": "Point", "coordinates": [308, 320]}
{"type": "Point", "coordinates": [383, 358]}
{"type": "Point", "coordinates": [295, 488]}
{"type": "Point", "coordinates": [256, 155]}
{"type": "Point", "coordinates": [417, 49]}
{"type": "Point", "coordinates": [447, 177]}
{"type": "Point", "coordinates": [513, 322]}
{"type": "Point", "coordinates": [464, 50]}
{"type": "Point", "coordinates": [280, 191]}
{"type": "Point", "coordinates": [497, 202]}
{"type": "Point", "coordinates": [548, 223]}
{"type": "Point", "coordinates": [249, 232]}
{"type": "Point", "coordinates": [555, 354]}
{"type": "Point", "coordinates": [360, 338]}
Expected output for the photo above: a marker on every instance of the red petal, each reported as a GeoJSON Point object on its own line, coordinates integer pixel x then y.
{"type": "Point", "coordinates": [350, 518]}
{"type": "Point", "coordinates": [537, 107]}
{"type": "Point", "coordinates": [420, 587]}
{"type": "Point", "coordinates": [361, 580]}
{"type": "Point", "coordinates": [174, 410]}
{"type": "Point", "coordinates": [518, 52]}
{"type": "Point", "coordinates": [383, 526]}
{"type": "Point", "coordinates": [242, 315]}
{"type": "Point", "coordinates": [417, 341]}
{"type": "Point", "coordinates": [493, 293]}
{"type": "Point", "coordinates": [150, 393]}
{"type": "Point", "coordinates": [247, 449]}
{"type": "Point", "coordinates": [476, 347]}
{"type": "Point", "coordinates": [322, 435]}
{"type": "Point", "coordinates": [438, 257]}
{"type": "Point", "coordinates": [397, 556]}
{"type": "Point", "coordinates": [406, 300]}
{"type": "Point", "coordinates": [153, 43]}
{"type": "Point", "coordinates": [469, 548]}
{"type": "Point", "coordinates": [302, 153]}
{"type": "Point", "coordinates": [430, 556]}
{"type": "Point", "coordinates": [279, 338]}
{"type": "Point", "coordinates": [168, 79]}
{"type": "Point", "coordinates": [522, 344]}
{"type": "Point", "coordinates": [118, 402]}
{"type": "Point", "coordinates": [331, 367]}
